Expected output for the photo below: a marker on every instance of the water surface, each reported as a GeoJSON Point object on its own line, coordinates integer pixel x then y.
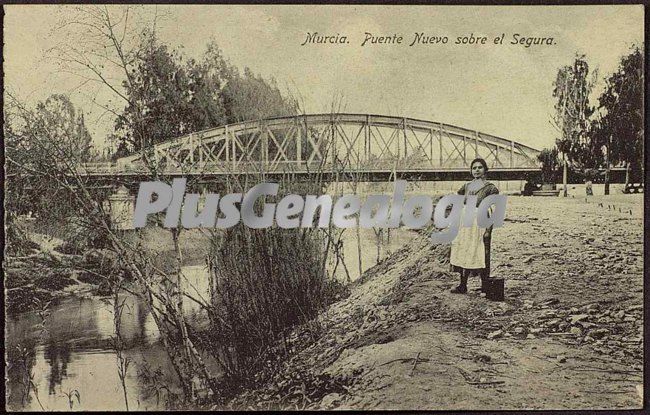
{"type": "Point", "coordinates": [70, 350]}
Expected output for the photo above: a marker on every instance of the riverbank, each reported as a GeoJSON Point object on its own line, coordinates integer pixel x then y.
{"type": "Point", "coordinates": [568, 336]}
{"type": "Point", "coordinates": [49, 272]}
{"type": "Point", "coordinates": [53, 270]}
{"type": "Point", "coordinates": [42, 275]}
{"type": "Point", "coordinates": [67, 335]}
{"type": "Point", "coordinates": [569, 330]}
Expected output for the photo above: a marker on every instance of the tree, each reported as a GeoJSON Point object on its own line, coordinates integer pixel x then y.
{"type": "Point", "coordinates": [59, 121]}
{"type": "Point", "coordinates": [620, 128]}
{"type": "Point", "coordinates": [106, 48]}
{"type": "Point", "coordinates": [53, 134]}
{"type": "Point", "coordinates": [572, 87]}
{"type": "Point", "coordinates": [17, 197]}
{"type": "Point", "coordinates": [160, 96]}
{"type": "Point", "coordinates": [550, 164]}
{"type": "Point", "coordinates": [51, 164]}
{"type": "Point", "coordinates": [250, 97]}
{"type": "Point", "coordinates": [167, 98]}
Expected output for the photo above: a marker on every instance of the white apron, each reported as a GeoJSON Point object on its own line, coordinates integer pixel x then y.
{"type": "Point", "coordinates": [468, 248]}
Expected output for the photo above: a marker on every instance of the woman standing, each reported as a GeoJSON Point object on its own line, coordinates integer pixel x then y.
{"type": "Point", "coordinates": [470, 251]}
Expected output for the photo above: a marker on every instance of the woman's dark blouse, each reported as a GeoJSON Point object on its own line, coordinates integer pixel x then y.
{"type": "Point", "coordinates": [485, 191]}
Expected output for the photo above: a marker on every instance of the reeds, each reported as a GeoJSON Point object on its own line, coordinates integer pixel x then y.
{"type": "Point", "coordinates": [263, 282]}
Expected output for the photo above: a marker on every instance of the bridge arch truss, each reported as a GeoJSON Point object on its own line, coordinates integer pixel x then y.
{"type": "Point", "coordinates": [360, 142]}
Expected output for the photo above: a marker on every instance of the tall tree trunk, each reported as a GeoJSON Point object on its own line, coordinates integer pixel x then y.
{"type": "Point", "coordinates": [609, 141]}
{"type": "Point", "coordinates": [564, 176]}
{"type": "Point", "coordinates": [359, 251]}
{"type": "Point", "coordinates": [197, 378]}
{"type": "Point", "coordinates": [627, 173]}
{"type": "Point", "coordinates": [379, 235]}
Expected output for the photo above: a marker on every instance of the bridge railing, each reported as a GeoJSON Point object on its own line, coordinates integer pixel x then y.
{"type": "Point", "coordinates": [286, 167]}
{"type": "Point", "coordinates": [97, 167]}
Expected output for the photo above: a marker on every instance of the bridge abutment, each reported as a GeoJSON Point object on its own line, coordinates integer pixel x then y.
{"type": "Point", "coordinates": [121, 207]}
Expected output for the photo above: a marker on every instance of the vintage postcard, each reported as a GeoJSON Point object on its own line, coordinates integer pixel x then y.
{"type": "Point", "coordinates": [316, 207]}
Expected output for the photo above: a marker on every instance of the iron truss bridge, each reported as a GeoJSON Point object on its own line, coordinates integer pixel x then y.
{"type": "Point", "coordinates": [341, 146]}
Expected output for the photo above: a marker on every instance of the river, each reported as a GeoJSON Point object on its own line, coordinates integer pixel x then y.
{"type": "Point", "coordinates": [68, 352]}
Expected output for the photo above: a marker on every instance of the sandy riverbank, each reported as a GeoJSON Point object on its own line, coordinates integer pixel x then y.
{"type": "Point", "coordinates": [569, 334]}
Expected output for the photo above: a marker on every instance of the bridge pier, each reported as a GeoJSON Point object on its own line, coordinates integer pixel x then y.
{"type": "Point", "coordinates": [121, 207]}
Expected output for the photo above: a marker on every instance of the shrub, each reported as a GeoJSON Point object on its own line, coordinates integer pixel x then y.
{"type": "Point", "coordinates": [54, 280]}
{"type": "Point", "coordinates": [550, 165]}
{"type": "Point", "coordinates": [17, 241]}
{"type": "Point", "coordinates": [263, 282]}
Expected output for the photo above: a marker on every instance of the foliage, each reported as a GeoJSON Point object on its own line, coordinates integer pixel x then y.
{"type": "Point", "coordinates": [38, 142]}
{"type": "Point", "coordinates": [28, 285]}
{"type": "Point", "coordinates": [17, 243]}
{"type": "Point", "coordinates": [550, 164]}
{"type": "Point", "coordinates": [572, 87]}
{"type": "Point", "coordinates": [263, 283]}
{"type": "Point", "coordinates": [158, 94]}
{"type": "Point", "coordinates": [58, 119]}
{"type": "Point", "coordinates": [162, 98]}
{"type": "Point", "coordinates": [170, 96]}
{"type": "Point", "coordinates": [622, 105]}
{"type": "Point", "coordinates": [19, 372]}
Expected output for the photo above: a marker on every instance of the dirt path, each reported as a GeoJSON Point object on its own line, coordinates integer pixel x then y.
{"type": "Point", "coordinates": [568, 336]}
{"type": "Point", "coordinates": [458, 371]}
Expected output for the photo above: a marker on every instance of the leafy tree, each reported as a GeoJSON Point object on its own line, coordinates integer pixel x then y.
{"type": "Point", "coordinates": [550, 164]}
{"type": "Point", "coordinates": [38, 142]}
{"type": "Point", "coordinates": [156, 94]}
{"type": "Point", "coordinates": [168, 97]}
{"type": "Point", "coordinates": [160, 94]}
{"type": "Point", "coordinates": [122, 150]}
{"type": "Point", "coordinates": [250, 97]}
{"type": "Point", "coordinates": [57, 120]}
{"type": "Point", "coordinates": [573, 111]}
{"type": "Point", "coordinates": [572, 87]}
{"type": "Point", "coordinates": [620, 128]}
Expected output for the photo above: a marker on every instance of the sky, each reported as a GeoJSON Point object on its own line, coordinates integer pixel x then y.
{"type": "Point", "coordinates": [504, 90]}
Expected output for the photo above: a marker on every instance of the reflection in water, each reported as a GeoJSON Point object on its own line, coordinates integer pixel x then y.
{"type": "Point", "coordinates": [57, 355]}
{"type": "Point", "coordinates": [71, 350]}
{"type": "Point", "coordinates": [141, 322]}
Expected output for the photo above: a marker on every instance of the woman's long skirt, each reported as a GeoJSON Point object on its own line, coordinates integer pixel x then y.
{"type": "Point", "coordinates": [470, 250]}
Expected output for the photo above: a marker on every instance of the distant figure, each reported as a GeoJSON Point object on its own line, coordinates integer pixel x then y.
{"type": "Point", "coordinates": [528, 188]}
{"type": "Point", "coordinates": [588, 188]}
{"type": "Point", "coordinates": [470, 251]}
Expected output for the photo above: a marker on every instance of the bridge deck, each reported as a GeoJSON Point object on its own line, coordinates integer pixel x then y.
{"type": "Point", "coordinates": [359, 142]}
{"type": "Point", "coordinates": [330, 146]}
{"type": "Point", "coordinates": [302, 171]}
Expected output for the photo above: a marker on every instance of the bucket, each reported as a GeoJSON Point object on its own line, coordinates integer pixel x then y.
{"type": "Point", "coordinates": [495, 289]}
